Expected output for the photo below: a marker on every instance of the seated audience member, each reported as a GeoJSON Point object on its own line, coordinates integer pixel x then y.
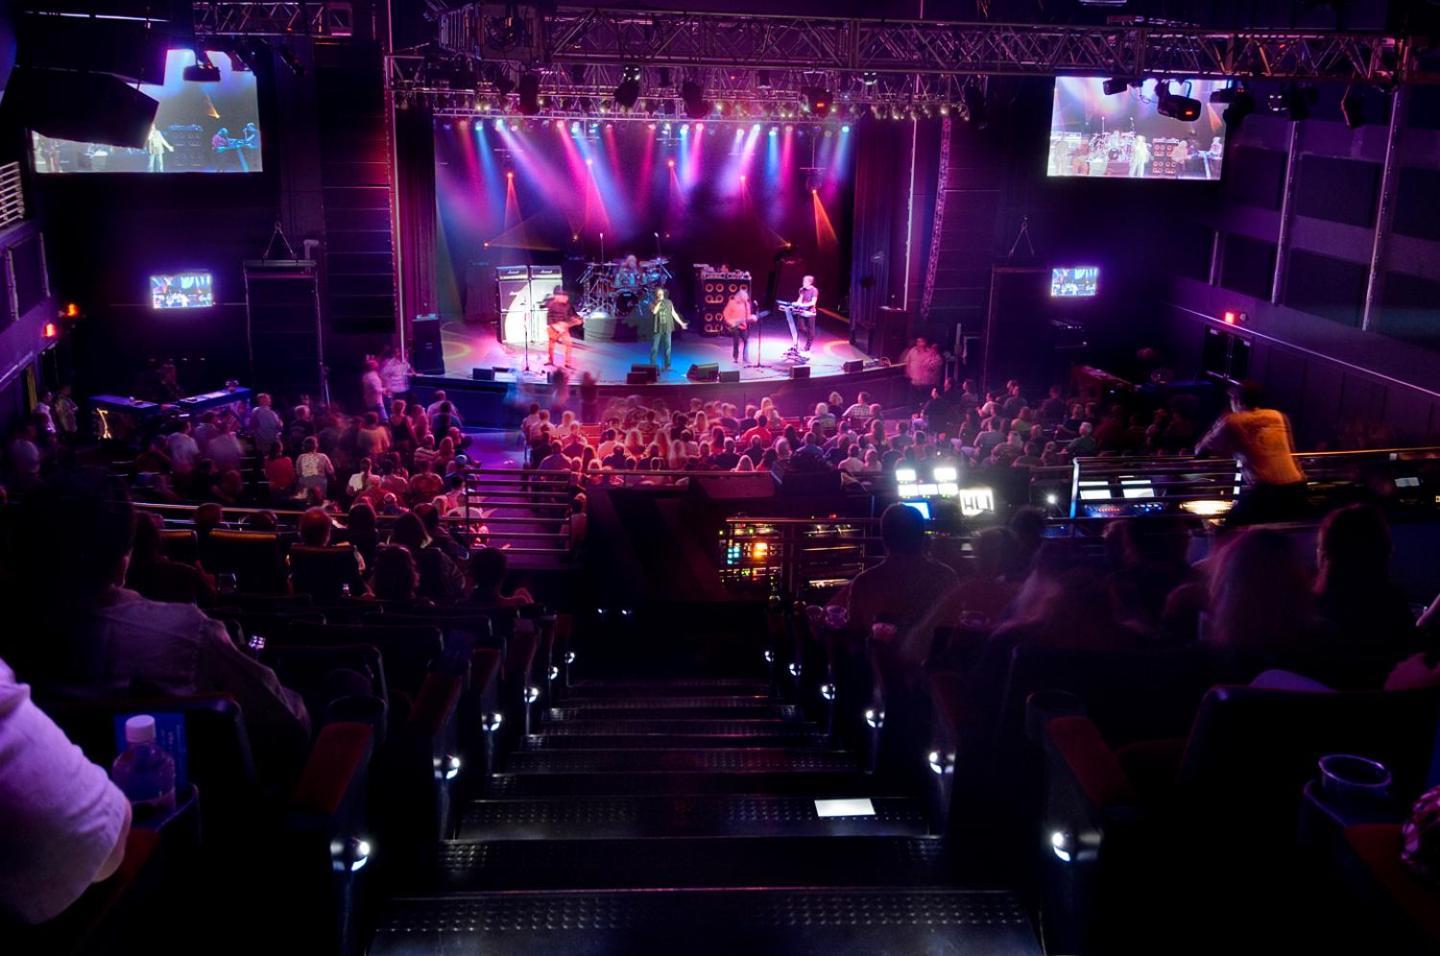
{"type": "Point", "coordinates": [1148, 565]}
{"type": "Point", "coordinates": [440, 537]}
{"type": "Point", "coordinates": [1261, 607]}
{"type": "Point", "coordinates": [979, 601]}
{"type": "Point", "coordinates": [488, 567]}
{"type": "Point", "coordinates": [361, 531]}
{"type": "Point", "coordinates": [903, 587]}
{"type": "Point", "coordinates": [1065, 604]}
{"type": "Point", "coordinates": [97, 637]}
{"type": "Point", "coordinates": [153, 575]}
{"type": "Point", "coordinates": [314, 567]}
{"type": "Point", "coordinates": [65, 823]}
{"type": "Point", "coordinates": [440, 580]}
{"type": "Point", "coordinates": [1353, 590]}
{"type": "Point", "coordinates": [395, 578]}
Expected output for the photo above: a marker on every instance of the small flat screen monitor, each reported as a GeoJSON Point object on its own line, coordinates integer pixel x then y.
{"type": "Point", "coordinates": [1074, 283]}
{"type": "Point", "coordinates": [1099, 135]}
{"type": "Point", "coordinates": [921, 507]}
{"type": "Point", "coordinates": [182, 290]}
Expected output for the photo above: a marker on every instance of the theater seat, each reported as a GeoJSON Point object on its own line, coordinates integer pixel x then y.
{"type": "Point", "coordinates": [324, 572]}
{"type": "Point", "coordinates": [252, 556]}
{"type": "Point", "coordinates": [1219, 836]}
{"type": "Point", "coordinates": [1404, 910]}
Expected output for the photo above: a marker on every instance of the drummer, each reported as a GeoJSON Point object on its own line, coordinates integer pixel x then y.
{"type": "Point", "coordinates": [628, 275]}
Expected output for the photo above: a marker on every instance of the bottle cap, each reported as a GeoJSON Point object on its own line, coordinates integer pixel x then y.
{"type": "Point", "coordinates": [140, 729]}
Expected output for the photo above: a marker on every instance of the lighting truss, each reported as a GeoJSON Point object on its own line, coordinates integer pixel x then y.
{"type": "Point", "coordinates": [564, 35]}
{"type": "Point", "coordinates": [736, 94]}
{"type": "Point", "coordinates": [328, 19]}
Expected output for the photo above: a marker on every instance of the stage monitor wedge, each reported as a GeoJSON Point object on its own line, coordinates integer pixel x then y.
{"type": "Point", "coordinates": [709, 372]}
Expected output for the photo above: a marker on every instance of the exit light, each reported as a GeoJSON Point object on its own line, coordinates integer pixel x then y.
{"type": "Point", "coordinates": [51, 330]}
{"type": "Point", "coordinates": [1232, 317]}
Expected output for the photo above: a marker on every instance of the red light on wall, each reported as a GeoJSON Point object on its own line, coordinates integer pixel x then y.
{"type": "Point", "coordinates": [51, 330]}
{"type": "Point", "coordinates": [1230, 318]}
{"type": "Point", "coordinates": [72, 311]}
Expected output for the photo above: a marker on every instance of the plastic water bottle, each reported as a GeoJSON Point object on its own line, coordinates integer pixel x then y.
{"type": "Point", "coordinates": [144, 772]}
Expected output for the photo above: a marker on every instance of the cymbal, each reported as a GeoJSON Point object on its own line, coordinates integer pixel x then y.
{"type": "Point", "coordinates": [660, 261]}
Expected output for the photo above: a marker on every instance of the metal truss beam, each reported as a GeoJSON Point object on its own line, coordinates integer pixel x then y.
{"type": "Point", "coordinates": [324, 19]}
{"type": "Point", "coordinates": [531, 37]}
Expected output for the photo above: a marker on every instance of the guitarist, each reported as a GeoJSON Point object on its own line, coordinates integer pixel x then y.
{"type": "Point", "coordinates": [560, 318]}
{"type": "Point", "coordinates": [738, 316]}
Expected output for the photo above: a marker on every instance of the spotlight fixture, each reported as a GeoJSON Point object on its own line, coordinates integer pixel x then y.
{"type": "Point", "coordinates": [1239, 101]}
{"type": "Point", "coordinates": [1175, 106]}
{"type": "Point", "coordinates": [818, 101]}
{"type": "Point", "coordinates": [870, 78]}
{"type": "Point", "coordinates": [529, 94]}
{"type": "Point", "coordinates": [1117, 84]}
{"type": "Point", "coordinates": [1294, 101]}
{"type": "Point", "coordinates": [973, 98]}
{"type": "Point", "coordinates": [693, 95]}
{"type": "Point", "coordinates": [1352, 107]}
{"type": "Point", "coordinates": [203, 71]}
{"type": "Point", "coordinates": [627, 94]}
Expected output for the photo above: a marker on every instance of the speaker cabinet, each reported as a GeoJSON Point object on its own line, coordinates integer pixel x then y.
{"type": "Point", "coordinates": [429, 357]}
{"type": "Point", "coordinates": [704, 373]}
{"type": "Point", "coordinates": [800, 371]}
{"type": "Point", "coordinates": [730, 375]}
{"type": "Point", "coordinates": [892, 333]}
{"type": "Point", "coordinates": [483, 374]}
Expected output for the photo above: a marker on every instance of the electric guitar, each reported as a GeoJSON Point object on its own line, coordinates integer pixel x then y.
{"type": "Point", "coordinates": [747, 321]}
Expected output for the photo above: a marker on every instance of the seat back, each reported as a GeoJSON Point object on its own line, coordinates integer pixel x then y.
{"type": "Point", "coordinates": [179, 544]}
{"type": "Point", "coordinates": [218, 757]}
{"type": "Point", "coordinates": [1251, 750]}
{"type": "Point", "coordinates": [322, 572]}
{"type": "Point", "coordinates": [252, 556]}
{"type": "Point", "coordinates": [407, 650]}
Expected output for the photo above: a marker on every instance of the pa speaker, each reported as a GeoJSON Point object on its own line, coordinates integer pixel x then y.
{"type": "Point", "coordinates": [483, 374]}
{"type": "Point", "coordinates": [730, 375]}
{"type": "Point", "coordinates": [800, 371]}
{"type": "Point", "coordinates": [639, 378]}
{"type": "Point", "coordinates": [84, 107]}
{"type": "Point", "coordinates": [857, 365]}
{"type": "Point", "coordinates": [704, 373]}
{"type": "Point", "coordinates": [429, 353]}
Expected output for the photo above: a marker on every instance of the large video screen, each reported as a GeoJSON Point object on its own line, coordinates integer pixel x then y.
{"type": "Point", "coordinates": [200, 127]}
{"type": "Point", "coordinates": [1121, 135]}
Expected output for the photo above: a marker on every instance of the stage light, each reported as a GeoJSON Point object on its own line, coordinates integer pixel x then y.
{"type": "Point", "coordinates": [693, 96]}
{"type": "Point", "coordinates": [203, 71]}
{"type": "Point", "coordinates": [1239, 103]}
{"type": "Point", "coordinates": [652, 125]}
{"type": "Point", "coordinates": [789, 128]}
{"type": "Point", "coordinates": [509, 174]}
{"type": "Point", "coordinates": [1115, 85]}
{"type": "Point", "coordinates": [742, 177]}
{"type": "Point", "coordinates": [1175, 106]}
{"type": "Point", "coordinates": [870, 78]}
{"type": "Point", "coordinates": [574, 126]}
{"type": "Point", "coordinates": [845, 129]}
{"type": "Point", "coordinates": [71, 311]}
{"type": "Point", "coordinates": [699, 127]}
{"type": "Point", "coordinates": [1294, 101]}
{"type": "Point", "coordinates": [685, 129]}
{"type": "Point", "coordinates": [755, 127]}
{"type": "Point", "coordinates": [670, 163]}
{"type": "Point", "coordinates": [627, 94]}
{"type": "Point", "coordinates": [818, 101]}
{"type": "Point", "coordinates": [589, 161]}
{"type": "Point", "coordinates": [774, 131]}
{"type": "Point", "coordinates": [973, 98]}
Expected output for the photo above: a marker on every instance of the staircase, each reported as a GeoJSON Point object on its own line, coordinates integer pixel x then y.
{"type": "Point", "coordinates": [680, 815]}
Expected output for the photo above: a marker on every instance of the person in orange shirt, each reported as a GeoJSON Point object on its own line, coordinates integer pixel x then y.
{"type": "Point", "coordinates": [1261, 441]}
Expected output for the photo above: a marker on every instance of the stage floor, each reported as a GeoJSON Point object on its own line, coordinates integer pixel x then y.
{"type": "Point", "coordinates": [472, 346]}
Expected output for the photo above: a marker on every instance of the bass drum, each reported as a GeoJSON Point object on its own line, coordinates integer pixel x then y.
{"type": "Point", "coordinates": [626, 301]}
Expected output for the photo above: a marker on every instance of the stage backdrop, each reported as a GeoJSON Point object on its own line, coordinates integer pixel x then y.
{"type": "Point", "coordinates": [515, 191]}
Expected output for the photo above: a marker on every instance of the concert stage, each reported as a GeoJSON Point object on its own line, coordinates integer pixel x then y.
{"type": "Point", "coordinates": [501, 402]}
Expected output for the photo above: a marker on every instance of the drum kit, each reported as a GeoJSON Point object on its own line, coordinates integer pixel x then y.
{"type": "Point", "coordinates": [613, 289]}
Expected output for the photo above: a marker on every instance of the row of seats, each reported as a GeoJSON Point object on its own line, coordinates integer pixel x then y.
{"type": "Point", "coordinates": [1146, 787]}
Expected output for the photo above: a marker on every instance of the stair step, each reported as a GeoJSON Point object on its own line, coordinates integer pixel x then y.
{"type": "Point", "coordinates": [814, 783]}
{"type": "Point", "coordinates": [796, 737]}
{"type": "Point", "coordinates": [681, 687]}
{"type": "Point", "coordinates": [624, 726]}
{"type": "Point", "coordinates": [803, 922]}
{"type": "Point", "coordinates": [741, 707]}
{"type": "Point", "coordinates": [736, 760]}
{"type": "Point", "coordinates": [734, 815]}
{"type": "Point", "coordinates": [679, 862]}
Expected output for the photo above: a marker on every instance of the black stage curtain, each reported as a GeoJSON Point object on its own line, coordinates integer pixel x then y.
{"type": "Point", "coordinates": [883, 208]}
{"type": "Point", "coordinates": [415, 190]}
